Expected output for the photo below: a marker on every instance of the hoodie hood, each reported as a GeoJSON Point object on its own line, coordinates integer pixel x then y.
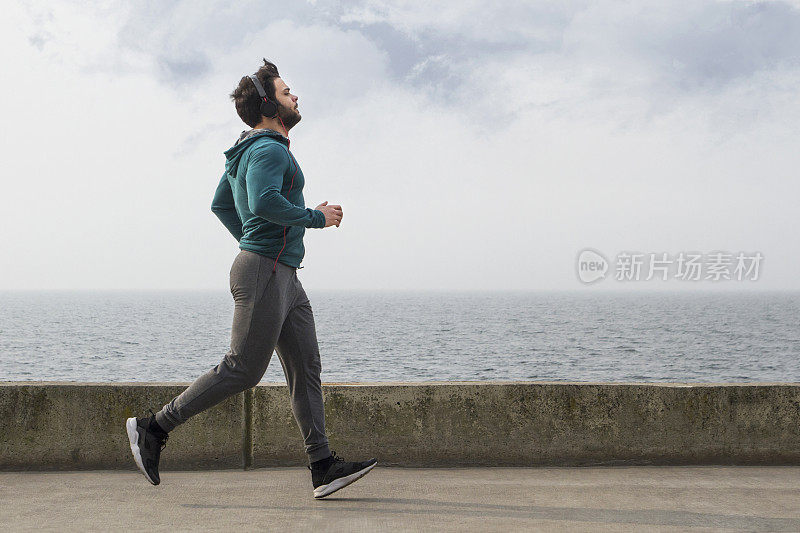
{"type": "Point", "coordinates": [234, 154]}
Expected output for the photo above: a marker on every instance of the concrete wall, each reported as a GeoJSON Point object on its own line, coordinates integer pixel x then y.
{"type": "Point", "coordinates": [49, 425]}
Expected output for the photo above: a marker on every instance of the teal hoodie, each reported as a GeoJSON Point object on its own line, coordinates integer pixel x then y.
{"type": "Point", "coordinates": [260, 197]}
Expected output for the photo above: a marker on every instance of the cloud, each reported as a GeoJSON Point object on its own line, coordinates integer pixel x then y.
{"type": "Point", "coordinates": [689, 46]}
{"type": "Point", "coordinates": [558, 55]}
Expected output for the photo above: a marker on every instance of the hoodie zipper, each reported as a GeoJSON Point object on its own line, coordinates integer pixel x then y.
{"type": "Point", "coordinates": [291, 157]}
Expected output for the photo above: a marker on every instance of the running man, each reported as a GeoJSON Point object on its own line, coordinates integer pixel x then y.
{"type": "Point", "coordinates": [260, 201]}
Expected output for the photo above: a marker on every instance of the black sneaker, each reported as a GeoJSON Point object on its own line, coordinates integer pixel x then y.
{"type": "Point", "coordinates": [146, 446]}
{"type": "Point", "coordinates": [338, 474]}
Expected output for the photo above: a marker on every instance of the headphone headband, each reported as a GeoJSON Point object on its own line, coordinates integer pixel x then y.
{"type": "Point", "coordinates": [261, 92]}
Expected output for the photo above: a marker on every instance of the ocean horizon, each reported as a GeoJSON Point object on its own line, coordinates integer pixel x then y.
{"type": "Point", "coordinates": [393, 335]}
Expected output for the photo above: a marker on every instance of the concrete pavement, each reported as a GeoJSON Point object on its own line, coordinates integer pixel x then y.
{"type": "Point", "coordinates": [666, 498]}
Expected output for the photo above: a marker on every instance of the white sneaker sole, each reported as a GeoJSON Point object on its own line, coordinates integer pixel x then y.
{"type": "Point", "coordinates": [336, 484]}
{"type": "Point", "coordinates": [133, 437]}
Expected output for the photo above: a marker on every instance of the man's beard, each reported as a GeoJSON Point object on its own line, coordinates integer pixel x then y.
{"type": "Point", "coordinates": [290, 117]}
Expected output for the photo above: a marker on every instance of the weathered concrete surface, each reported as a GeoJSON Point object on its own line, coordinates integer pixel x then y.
{"type": "Point", "coordinates": [82, 425]}
{"type": "Point", "coordinates": [75, 426]}
{"type": "Point", "coordinates": [669, 499]}
{"type": "Point", "coordinates": [447, 424]}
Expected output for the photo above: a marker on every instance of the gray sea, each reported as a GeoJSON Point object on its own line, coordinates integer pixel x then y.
{"type": "Point", "coordinates": [406, 336]}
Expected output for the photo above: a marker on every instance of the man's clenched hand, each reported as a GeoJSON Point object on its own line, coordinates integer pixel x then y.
{"type": "Point", "coordinates": [333, 213]}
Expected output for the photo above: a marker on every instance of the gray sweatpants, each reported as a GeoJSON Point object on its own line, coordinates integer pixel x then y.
{"type": "Point", "coordinates": [272, 312]}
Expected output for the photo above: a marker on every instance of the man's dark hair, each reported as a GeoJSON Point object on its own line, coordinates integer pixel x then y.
{"type": "Point", "coordinates": [246, 98]}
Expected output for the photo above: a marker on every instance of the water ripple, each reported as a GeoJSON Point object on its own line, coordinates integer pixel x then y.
{"type": "Point", "coordinates": [176, 336]}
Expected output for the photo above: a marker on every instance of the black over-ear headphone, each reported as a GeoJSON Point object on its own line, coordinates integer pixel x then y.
{"type": "Point", "coordinates": [268, 107]}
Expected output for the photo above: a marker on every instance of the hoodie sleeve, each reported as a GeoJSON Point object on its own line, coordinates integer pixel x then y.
{"type": "Point", "coordinates": [225, 209]}
{"type": "Point", "coordinates": [265, 171]}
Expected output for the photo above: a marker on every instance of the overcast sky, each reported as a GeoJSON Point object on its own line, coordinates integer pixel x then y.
{"type": "Point", "coordinates": [472, 145]}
